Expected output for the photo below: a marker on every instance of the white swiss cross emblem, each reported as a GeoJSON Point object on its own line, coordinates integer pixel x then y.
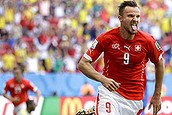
{"type": "Point", "coordinates": [137, 47]}
{"type": "Point", "coordinates": [115, 46]}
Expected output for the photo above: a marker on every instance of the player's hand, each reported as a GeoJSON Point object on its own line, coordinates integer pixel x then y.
{"type": "Point", "coordinates": [156, 103]}
{"type": "Point", "coordinates": [15, 99]}
{"type": "Point", "coordinates": [110, 84]}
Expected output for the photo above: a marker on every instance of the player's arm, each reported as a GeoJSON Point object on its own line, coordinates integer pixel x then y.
{"type": "Point", "coordinates": [38, 94]}
{"type": "Point", "coordinates": [10, 98]}
{"type": "Point", "coordinates": [87, 69]}
{"type": "Point", "coordinates": [159, 75]}
{"type": "Point", "coordinates": [33, 88]}
{"type": "Point", "coordinates": [156, 98]}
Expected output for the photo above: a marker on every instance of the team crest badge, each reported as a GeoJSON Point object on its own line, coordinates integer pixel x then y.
{"type": "Point", "coordinates": [137, 48]}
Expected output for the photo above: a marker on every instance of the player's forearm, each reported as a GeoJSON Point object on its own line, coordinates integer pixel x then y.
{"type": "Point", "coordinates": [8, 97]}
{"type": "Point", "coordinates": [159, 74]}
{"type": "Point", "coordinates": [38, 95]}
{"type": "Point", "coordinates": [86, 68]}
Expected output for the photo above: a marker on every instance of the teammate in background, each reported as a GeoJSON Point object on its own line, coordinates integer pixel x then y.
{"type": "Point", "coordinates": [126, 52]}
{"type": "Point", "coordinates": [18, 88]}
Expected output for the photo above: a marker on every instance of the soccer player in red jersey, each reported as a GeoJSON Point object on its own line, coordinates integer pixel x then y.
{"type": "Point", "coordinates": [18, 88]}
{"type": "Point", "coordinates": [126, 51]}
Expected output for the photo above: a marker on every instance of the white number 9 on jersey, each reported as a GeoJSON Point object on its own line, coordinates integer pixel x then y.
{"type": "Point", "coordinates": [126, 58]}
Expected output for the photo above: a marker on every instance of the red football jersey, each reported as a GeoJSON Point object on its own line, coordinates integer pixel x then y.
{"type": "Point", "coordinates": [125, 60]}
{"type": "Point", "coordinates": [19, 90]}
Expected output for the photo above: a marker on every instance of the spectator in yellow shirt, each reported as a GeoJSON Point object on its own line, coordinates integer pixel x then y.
{"type": "Point", "coordinates": [2, 22]}
{"type": "Point", "coordinates": [8, 61]}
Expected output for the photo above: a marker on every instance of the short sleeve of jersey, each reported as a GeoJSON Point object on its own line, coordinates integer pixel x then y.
{"type": "Point", "coordinates": [31, 86]}
{"type": "Point", "coordinates": [155, 51]}
{"type": "Point", "coordinates": [95, 50]}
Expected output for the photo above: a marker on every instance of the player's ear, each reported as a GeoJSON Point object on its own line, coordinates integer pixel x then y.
{"type": "Point", "coordinates": [120, 18]}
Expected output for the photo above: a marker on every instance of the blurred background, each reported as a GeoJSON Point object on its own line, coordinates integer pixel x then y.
{"type": "Point", "coordinates": [48, 37]}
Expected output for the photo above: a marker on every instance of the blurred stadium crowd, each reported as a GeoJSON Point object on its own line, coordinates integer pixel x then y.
{"type": "Point", "coordinates": [51, 35]}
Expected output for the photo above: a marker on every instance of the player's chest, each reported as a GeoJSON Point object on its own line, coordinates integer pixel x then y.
{"type": "Point", "coordinates": [17, 88]}
{"type": "Point", "coordinates": [126, 52]}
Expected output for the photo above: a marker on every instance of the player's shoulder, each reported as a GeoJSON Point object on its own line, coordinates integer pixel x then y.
{"type": "Point", "coordinates": [108, 34]}
{"type": "Point", "coordinates": [11, 80]}
{"type": "Point", "coordinates": [146, 36]}
{"type": "Point", "coordinates": [25, 80]}
{"type": "Point", "coordinates": [111, 31]}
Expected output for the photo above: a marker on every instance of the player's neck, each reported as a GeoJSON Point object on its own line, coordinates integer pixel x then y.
{"type": "Point", "coordinates": [125, 35]}
{"type": "Point", "coordinates": [18, 80]}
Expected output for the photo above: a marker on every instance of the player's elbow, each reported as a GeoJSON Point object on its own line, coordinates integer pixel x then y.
{"type": "Point", "coordinates": [160, 65]}
{"type": "Point", "coordinates": [4, 94]}
{"type": "Point", "coordinates": [161, 62]}
{"type": "Point", "coordinates": [81, 64]}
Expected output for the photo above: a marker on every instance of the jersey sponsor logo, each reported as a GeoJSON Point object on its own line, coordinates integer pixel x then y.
{"type": "Point", "coordinates": [137, 48]}
{"type": "Point", "coordinates": [115, 46]}
{"type": "Point", "coordinates": [127, 47]}
{"type": "Point", "coordinates": [157, 45]}
{"type": "Point", "coordinates": [94, 44]}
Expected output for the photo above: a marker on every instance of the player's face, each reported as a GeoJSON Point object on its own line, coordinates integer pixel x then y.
{"type": "Point", "coordinates": [17, 75]}
{"type": "Point", "coordinates": [130, 19]}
